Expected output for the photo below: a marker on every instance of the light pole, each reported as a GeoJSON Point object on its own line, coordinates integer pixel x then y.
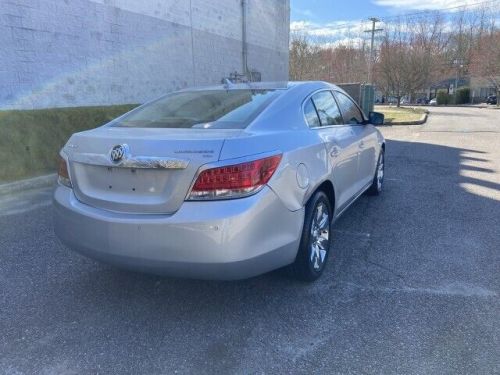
{"type": "Point", "coordinates": [459, 65]}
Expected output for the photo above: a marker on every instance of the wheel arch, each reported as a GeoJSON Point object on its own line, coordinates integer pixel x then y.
{"type": "Point", "coordinates": [326, 187]}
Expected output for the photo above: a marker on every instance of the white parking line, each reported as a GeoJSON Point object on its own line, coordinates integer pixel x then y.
{"type": "Point", "coordinates": [15, 211]}
{"type": "Point", "coordinates": [25, 201]}
{"type": "Point", "coordinates": [454, 289]}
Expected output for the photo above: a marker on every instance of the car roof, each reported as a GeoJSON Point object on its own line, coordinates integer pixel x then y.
{"type": "Point", "coordinates": [265, 85]}
{"type": "Point", "coordinates": [289, 100]}
{"type": "Point", "coordinates": [286, 110]}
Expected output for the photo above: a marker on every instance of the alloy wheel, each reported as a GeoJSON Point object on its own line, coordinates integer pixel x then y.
{"type": "Point", "coordinates": [320, 233]}
{"type": "Point", "coordinates": [380, 172]}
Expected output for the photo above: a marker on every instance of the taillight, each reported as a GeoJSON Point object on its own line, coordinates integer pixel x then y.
{"type": "Point", "coordinates": [234, 181]}
{"type": "Point", "coordinates": [62, 173]}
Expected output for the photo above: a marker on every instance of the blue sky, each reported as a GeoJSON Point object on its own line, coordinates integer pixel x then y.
{"type": "Point", "coordinates": [324, 11]}
{"type": "Point", "coordinates": [344, 21]}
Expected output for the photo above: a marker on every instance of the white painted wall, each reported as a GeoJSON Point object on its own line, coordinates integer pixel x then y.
{"type": "Point", "coordinates": [95, 52]}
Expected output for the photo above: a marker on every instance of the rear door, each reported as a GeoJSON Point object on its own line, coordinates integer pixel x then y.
{"type": "Point", "coordinates": [340, 143]}
{"type": "Point", "coordinates": [365, 139]}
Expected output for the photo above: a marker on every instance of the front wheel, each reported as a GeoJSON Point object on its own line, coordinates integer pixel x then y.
{"type": "Point", "coordinates": [315, 241]}
{"type": "Point", "coordinates": [378, 179]}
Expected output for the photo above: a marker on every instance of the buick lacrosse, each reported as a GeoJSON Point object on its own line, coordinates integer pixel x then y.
{"type": "Point", "coordinates": [223, 182]}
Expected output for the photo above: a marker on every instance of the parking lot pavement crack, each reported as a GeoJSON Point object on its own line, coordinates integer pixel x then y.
{"type": "Point", "coordinates": [387, 269]}
{"type": "Point", "coordinates": [368, 248]}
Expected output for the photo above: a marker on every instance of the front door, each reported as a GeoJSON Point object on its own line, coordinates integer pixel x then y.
{"type": "Point", "coordinates": [365, 138]}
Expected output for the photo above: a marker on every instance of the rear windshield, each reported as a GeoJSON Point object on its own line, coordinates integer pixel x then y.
{"type": "Point", "coordinates": [211, 109]}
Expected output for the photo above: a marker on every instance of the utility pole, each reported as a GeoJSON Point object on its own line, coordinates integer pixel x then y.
{"type": "Point", "coordinates": [458, 63]}
{"type": "Point", "coordinates": [372, 31]}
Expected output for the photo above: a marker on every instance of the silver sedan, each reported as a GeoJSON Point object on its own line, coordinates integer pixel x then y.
{"type": "Point", "coordinates": [223, 182]}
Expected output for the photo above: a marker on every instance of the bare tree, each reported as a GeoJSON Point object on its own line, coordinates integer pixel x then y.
{"type": "Point", "coordinates": [304, 58]}
{"type": "Point", "coordinates": [485, 60]}
{"type": "Point", "coordinates": [414, 53]}
{"type": "Point", "coordinates": [346, 63]}
{"type": "Point", "coordinates": [390, 67]}
{"type": "Point", "coordinates": [409, 55]}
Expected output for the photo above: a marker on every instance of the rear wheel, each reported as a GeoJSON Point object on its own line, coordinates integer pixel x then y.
{"type": "Point", "coordinates": [315, 242]}
{"type": "Point", "coordinates": [378, 179]}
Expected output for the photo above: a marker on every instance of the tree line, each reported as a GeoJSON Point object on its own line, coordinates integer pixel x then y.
{"type": "Point", "coordinates": [412, 53]}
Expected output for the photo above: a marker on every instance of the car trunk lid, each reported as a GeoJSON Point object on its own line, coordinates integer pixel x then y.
{"type": "Point", "coordinates": [154, 173]}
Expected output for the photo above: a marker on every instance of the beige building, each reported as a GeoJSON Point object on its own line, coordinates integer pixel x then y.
{"type": "Point", "coordinates": [481, 88]}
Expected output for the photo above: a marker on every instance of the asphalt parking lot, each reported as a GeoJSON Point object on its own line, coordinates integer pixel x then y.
{"type": "Point", "coordinates": [414, 286]}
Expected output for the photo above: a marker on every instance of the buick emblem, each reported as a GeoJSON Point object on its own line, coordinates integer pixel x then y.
{"type": "Point", "coordinates": [118, 152]}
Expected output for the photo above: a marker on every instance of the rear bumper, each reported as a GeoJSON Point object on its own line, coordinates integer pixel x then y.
{"type": "Point", "coordinates": [231, 239]}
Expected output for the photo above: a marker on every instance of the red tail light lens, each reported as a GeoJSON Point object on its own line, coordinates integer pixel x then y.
{"type": "Point", "coordinates": [234, 181]}
{"type": "Point", "coordinates": [62, 172]}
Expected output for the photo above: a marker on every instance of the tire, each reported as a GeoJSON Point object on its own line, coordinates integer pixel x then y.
{"type": "Point", "coordinates": [315, 241]}
{"type": "Point", "coordinates": [378, 179]}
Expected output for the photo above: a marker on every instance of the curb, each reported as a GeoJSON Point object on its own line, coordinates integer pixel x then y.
{"type": "Point", "coordinates": [420, 121]}
{"type": "Point", "coordinates": [28, 184]}
{"type": "Point", "coordinates": [480, 106]}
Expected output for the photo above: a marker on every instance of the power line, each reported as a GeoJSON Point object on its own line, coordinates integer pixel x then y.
{"type": "Point", "coordinates": [339, 33]}
{"type": "Point", "coordinates": [464, 6]}
{"type": "Point", "coordinates": [351, 24]}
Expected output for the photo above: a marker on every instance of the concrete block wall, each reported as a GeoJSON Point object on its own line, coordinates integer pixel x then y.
{"type": "Point", "coordinates": [57, 53]}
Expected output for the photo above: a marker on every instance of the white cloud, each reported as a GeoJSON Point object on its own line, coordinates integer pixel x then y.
{"type": "Point", "coordinates": [300, 25]}
{"type": "Point", "coordinates": [332, 29]}
{"type": "Point", "coordinates": [331, 34]}
{"type": "Point", "coordinates": [351, 32]}
{"type": "Point", "coordinates": [430, 4]}
{"type": "Point", "coordinates": [348, 42]}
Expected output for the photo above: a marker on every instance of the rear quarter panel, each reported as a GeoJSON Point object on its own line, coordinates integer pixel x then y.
{"type": "Point", "coordinates": [304, 165]}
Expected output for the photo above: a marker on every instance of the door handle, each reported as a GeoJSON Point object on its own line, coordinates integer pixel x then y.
{"type": "Point", "coordinates": [361, 144]}
{"type": "Point", "coordinates": [335, 151]}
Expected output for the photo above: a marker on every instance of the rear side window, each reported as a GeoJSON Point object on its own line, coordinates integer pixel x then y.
{"type": "Point", "coordinates": [311, 115]}
{"type": "Point", "coordinates": [327, 108]}
{"type": "Point", "coordinates": [209, 109]}
{"type": "Point", "coordinates": [350, 111]}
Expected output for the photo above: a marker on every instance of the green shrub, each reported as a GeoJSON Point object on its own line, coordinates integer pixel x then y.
{"type": "Point", "coordinates": [463, 95]}
{"type": "Point", "coordinates": [442, 97]}
{"type": "Point", "coordinates": [31, 139]}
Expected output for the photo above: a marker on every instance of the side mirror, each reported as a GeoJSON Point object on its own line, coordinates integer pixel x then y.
{"type": "Point", "coordinates": [376, 118]}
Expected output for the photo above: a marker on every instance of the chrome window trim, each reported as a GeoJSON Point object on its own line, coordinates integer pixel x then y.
{"type": "Point", "coordinates": [308, 97]}
{"type": "Point", "coordinates": [352, 100]}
